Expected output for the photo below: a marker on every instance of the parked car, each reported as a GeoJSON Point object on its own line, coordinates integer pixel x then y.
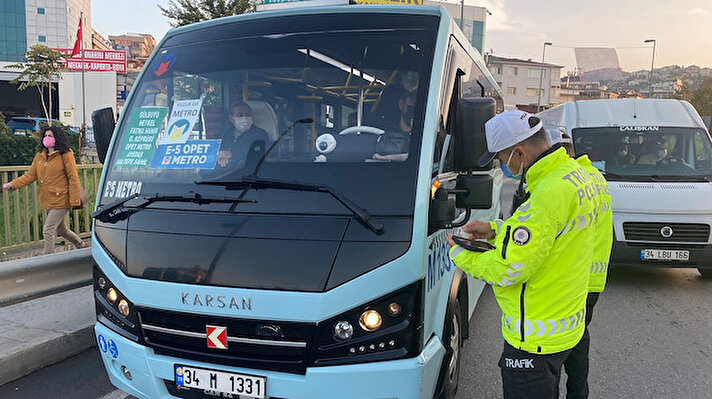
{"type": "Point", "coordinates": [25, 125]}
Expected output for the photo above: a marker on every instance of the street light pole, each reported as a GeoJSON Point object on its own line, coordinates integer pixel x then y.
{"type": "Point", "coordinates": [652, 63]}
{"type": "Point", "coordinates": [541, 77]}
{"type": "Point", "coordinates": [462, 15]}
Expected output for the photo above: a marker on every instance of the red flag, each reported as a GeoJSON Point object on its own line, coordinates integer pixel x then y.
{"type": "Point", "coordinates": [78, 43]}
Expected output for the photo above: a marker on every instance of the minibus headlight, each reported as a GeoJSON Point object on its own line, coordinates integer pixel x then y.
{"type": "Point", "coordinates": [113, 309]}
{"type": "Point", "coordinates": [343, 330]}
{"type": "Point", "coordinates": [124, 308]}
{"type": "Point", "coordinates": [390, 328]}
{"type": "Point", "coordinates": [112, 295]}
{"type": "Point", "coordinates": [370, 320]}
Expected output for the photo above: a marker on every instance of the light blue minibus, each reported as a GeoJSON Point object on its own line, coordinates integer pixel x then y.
{"type": "Point", "coordinates": [273, 208]}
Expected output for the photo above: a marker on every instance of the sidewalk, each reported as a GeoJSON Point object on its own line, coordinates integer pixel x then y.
{"type": "Point", "coordinates": [40, 332]}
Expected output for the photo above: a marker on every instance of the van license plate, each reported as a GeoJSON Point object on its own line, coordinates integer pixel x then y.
{"type": "Point", "coordinates": [664, 254]}
{"type": "Point", "coordinates": [247, 386]}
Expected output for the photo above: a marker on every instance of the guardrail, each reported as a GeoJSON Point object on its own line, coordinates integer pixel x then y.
{"type": "Point", "coordinates": [22, 216]}
{"type": "Point", "coordinates": [30, 278]}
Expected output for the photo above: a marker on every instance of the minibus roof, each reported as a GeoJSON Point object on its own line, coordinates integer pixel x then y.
{"type": "Point", "coordinates": [316, 10]}
{"type": "Point", "coordinates": [631, 112]}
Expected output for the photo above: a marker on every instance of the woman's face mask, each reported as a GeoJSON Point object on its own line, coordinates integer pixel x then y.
{"type": "Point", "coordinates": [48, 142]}
{"type": "Point", "coordinates": [662, 153]}
{"type": "Point", "coordinates": [623, 152]}
{"type": "Point", "coordinates": [242, 123]}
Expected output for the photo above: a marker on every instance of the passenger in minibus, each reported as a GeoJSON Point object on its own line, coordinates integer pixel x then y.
{"type": "Point", "coordinates": [622, 156]}
{"type": "Point", "coordinates": [239, 137]}
{"type": "Point", "coordinates": [394, 143]}
{"type": "Point", "coordinates": [654, 151]}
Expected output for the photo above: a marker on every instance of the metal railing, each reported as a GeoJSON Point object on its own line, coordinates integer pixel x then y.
{"type": "Point", "coordinates": [22, 216]}
{"type": "Point", "coordinates": [30, 278]}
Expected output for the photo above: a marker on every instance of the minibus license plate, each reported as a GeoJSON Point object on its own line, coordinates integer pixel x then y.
{"type": "Point", "coordinates": [247, 386]}
{"type": "Point", "coordinates": [664, 254]}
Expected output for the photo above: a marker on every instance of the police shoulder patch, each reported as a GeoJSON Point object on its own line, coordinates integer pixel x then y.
{"type": "Point", "coordinates": [521, 235]}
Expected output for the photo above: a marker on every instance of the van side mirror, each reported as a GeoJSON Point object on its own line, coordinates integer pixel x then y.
{"type": "Point", "coordinates": [442, 210]}
{"type": "Point", "coordinates": [103, 124]}
{"type": "Point", "coordinates": [470, 142]}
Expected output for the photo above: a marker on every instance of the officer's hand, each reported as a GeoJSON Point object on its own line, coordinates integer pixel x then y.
{"type": "Point", "coordinates": [479, 230]}
{"type": "Point", "coordinates": [450, 241]}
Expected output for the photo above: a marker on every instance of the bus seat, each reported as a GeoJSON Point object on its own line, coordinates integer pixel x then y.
{"type": "Point", "coordinates": [263, 116]}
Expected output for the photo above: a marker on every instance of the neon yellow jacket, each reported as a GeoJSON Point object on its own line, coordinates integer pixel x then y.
{"type": "Point", "coordinates": [540, 268]}
{"type": "Point", "coordinates": [603, 227]}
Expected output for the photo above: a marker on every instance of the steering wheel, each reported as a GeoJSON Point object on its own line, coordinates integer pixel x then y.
{"type": "Point", "coordinates": [674, 161]}
{"type": "Point", "coordinates": [362, 129]}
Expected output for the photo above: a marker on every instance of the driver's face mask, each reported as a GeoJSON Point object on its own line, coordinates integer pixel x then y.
{"type": "Point", "coordinates": [623, 152]}
{"type": "Point", "coordinates": [242, 123]}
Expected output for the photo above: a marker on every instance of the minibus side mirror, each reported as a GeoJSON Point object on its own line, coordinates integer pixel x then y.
{"type": "Point", "coordinates": [474, 191]}
{"type": "Point", "coordinates": [442, 210]}
{"type": "Point", "coordinates": [470, 142]}
{"type": "Point", "coordinates": [103, 124]}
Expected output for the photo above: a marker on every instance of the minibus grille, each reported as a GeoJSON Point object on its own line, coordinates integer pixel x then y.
{"type": "Point", "coordinates": [678, 232]}
{"type": "Point", "coordinates": [258, 344]}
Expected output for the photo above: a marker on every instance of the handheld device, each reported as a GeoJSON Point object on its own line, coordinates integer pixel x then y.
{"type": "Point", "coordinates": [473, 245]}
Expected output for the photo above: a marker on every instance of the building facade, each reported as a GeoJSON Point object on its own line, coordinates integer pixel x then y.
{"type": "Point", "coordinates": [137, 45]}
{"type": "Point", "coordinates": [474, 21]}
{"type": "Point", "coordinates": [53, 23]}
{"type": "Point", "coordinates": [520, 81]}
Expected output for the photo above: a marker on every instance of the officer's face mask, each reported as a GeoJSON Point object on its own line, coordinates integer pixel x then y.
{"type": "Point", "coordinates": [507, 172]}
{"type": "Point", "coordinates": [662, 153]}
{"type": "Point", "coordinates": [242, 123]}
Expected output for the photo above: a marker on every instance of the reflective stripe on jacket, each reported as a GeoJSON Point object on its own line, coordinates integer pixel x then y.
{"type": "Point", "coordinates": [58, 188]}
{"type": "Point", "coordinates": [603, 229]}
{"type": "Point", "coordinates": [540, 268]}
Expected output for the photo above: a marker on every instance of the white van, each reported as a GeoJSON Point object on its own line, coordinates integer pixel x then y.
{"type": "Point", "coordinates": [657, 158]}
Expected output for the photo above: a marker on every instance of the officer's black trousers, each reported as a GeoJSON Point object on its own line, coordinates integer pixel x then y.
{"type": "Point", "coordinates": [530, 376]}
{"type": "Point", "coordinates": [576, 365]}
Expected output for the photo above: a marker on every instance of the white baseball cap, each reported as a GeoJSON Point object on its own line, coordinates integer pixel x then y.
{"type": "Point", "coordinates": [505, 130]}
{"type": "Point", "coordinates": [557, 136]}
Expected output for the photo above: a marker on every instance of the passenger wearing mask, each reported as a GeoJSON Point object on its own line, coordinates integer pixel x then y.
{"type": "Point", "coordinates": [239, 137]}
{"type": "Point", "coordinates": [393, 145]}
{"type": "Point", "coordinates": [656, 150]}
{"type": "Point", "coordinates": [623, 156]}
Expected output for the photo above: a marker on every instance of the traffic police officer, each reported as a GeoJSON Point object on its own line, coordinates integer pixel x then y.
{"type": "Point", "coordinates": [576, 365]}
{"type": "Point", "coordinates": [540, 267]}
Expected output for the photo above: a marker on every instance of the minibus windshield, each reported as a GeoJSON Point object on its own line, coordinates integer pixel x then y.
{"type": "Point", "coordinates": [336, 108]}
{"type": "Point", "coordinates": [647, 152]}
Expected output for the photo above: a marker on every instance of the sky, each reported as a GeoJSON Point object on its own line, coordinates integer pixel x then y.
{"type": "Point", "coordinates": [518, 28]}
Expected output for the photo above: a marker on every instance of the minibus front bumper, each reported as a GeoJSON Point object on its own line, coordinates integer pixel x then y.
{"type": "Point", "coordinates": [151, 373]}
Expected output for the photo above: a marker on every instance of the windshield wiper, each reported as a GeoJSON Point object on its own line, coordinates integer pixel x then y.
{"type": "Point", "coordinates": [116, 211]}
{"type": "Point", "coordinates": [693, 178]}
{"type": "Point", "coordinates": [253, 182]}
{"type": "Point", "coordinates": [614, 175]}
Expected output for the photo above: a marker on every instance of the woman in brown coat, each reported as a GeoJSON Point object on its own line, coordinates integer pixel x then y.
{"type": "Point", "coordinates": [59, 189]}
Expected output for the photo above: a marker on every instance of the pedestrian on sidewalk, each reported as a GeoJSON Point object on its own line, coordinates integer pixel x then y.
{"type": "Point", "coordinates": [59, 189]}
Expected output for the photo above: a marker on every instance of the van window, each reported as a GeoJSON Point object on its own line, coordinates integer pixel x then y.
{"type": "Point", "coordinates": [647, 152]}
{"type": "Point", "coordinates": [280, 106]}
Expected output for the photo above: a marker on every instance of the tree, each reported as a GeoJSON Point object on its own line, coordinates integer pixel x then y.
{"type": "Point", "coordinates": [186, 12]}
{"type": "Point", "coordinates": [702, 100]}
{"type": "Point", "coordinates": [4, 129]}
{"type": "Point", "coordinates": [42, 66]}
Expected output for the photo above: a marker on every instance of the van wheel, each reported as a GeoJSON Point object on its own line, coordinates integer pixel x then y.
{"type": "Point", "coordinates": [452, 339]}
{"type": "Point", "coordinates": [705, 272]}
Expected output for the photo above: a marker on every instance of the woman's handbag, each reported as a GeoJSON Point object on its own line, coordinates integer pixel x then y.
{"type": "Point", "coordinates": [83, 197]}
